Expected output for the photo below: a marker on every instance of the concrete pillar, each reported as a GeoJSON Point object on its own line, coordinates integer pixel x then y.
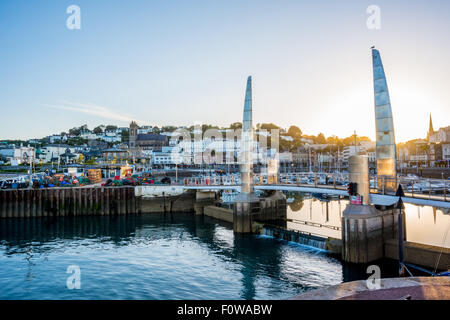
{"type": "Point", "coordinates": [358, 168]}
{"type": "Point", "coordinates": [364, 232]}
{"type": "Point", "coordinates": [242, 215]}
{"type": "Point", "coordinates": [202, 199]}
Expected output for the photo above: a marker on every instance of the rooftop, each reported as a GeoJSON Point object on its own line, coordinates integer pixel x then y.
{"type": "Point", "coordinates": [151, 136]}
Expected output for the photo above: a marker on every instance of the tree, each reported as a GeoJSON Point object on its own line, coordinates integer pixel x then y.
{"type": "Point", "coordinates": [169, 128]}
{"type": "Point", "coordinates": [321, 139]}
{"type": "Point", "coordinates": [125, 136]}
{"type": "Point", "coordinates": [294, 132]}
{"type": "Point", "coordinates": [236, 125]}
{"type": "Point", "coordinates": [75, 131]}
{"type": "Point", "coordinates": [208, 126]}
{"type": "Point", "coordinates": [269, 126]}
{"type": "Point", "coordinates": [111, 128]}
{"type": "Point", "coordinates": [76, 141]}
{"type": "Point", "coordinates": [285, 145]}
{"type": "Point", "coordinates": [296, 144]}
{"type": "Point", "coordinates": [99, 129]}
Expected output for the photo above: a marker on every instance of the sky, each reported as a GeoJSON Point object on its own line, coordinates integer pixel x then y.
{"type": "Point", "coordinates": [172, 62]}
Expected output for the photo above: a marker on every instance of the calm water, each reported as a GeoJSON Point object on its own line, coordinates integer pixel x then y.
{"type": "Point", "coordinates": [424, 224]}
{"type": "Point", "coordinates": [173, 256]}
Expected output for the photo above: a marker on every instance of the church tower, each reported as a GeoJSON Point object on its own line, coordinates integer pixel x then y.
{"type": "Point", "coordinates": [430, 130]}
{"type": "Point", "coordinates": [133, 137]}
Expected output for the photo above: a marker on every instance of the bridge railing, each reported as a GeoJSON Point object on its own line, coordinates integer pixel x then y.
{"type": "Point", "coordinates": [336, 181]}
{"type": "Point", "coordinates": [433, 189]}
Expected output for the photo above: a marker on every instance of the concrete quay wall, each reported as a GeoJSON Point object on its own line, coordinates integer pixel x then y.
{"type": "Point", "coordinates": [420, 254]}
{"type": "Point", "coordinates": [54, 202]}
{"type": "Point", "coordinates": [219, 213]}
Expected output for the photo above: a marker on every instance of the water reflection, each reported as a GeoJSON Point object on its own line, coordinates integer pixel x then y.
{"type": "Point", "coordinates": [178, 256]}
{"type": "Point", "coordinates": [315, 216]}
{"type": "Point", "coordinates": [158, 256]}
{"type": "Point", "coordinates": [424, 224]}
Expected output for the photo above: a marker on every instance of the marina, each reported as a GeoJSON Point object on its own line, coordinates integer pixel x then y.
{"type": "Point", "coordinates": [132, 244]}
{"type": "Point", "coordinates": [216, 153]}
{"type": "Point", "coordinates": [156, 257]}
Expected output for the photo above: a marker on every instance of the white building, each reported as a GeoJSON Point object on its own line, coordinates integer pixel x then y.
{"type": "Point", "coordinates": [18, 155]}
{"type": "Point", "coordinates": [372, 156]}
{"type": "Point", "coordinates": [111, 139]}
{"type": "Point", "coordinates": [287, 138]}
{"type": "Point", "coordinates": [418, 157]}
{"type": "Point", "coordinates": [368, 144]}
{"type": "Point", "coordinates": [145, 130]}
{"type": "Point", "coordinates": [165, 157]}
{"type": "Point", "coordinates": [57, 138]}
{"type": "Point", "coordinates": [446, 151]}
{"type": "Point", "coordinates": [351, 151]}
{"type": "Point", "coordinates": [443, 134]}
{"type": "Point", "coordinates": [121, 129]}
{"type": "Point", "coordinates": [111, 136]}
{"type": "Point", "coordinates": [89, 136]}
{"type": "Point", "coordinates": [51, 153]}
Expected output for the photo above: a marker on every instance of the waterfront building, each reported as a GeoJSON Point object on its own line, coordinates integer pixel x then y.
{"type": "Point", "coordinates": [53, 152]}
{"type": "Point", "coordinates": [372, 156]}
{"type": "Point", "coordinates": [446, 152]}
{"type": "Point", "coordinates": [115, 155]}
{"type": "Point", "coordinates": [163, 158]}
{"type": "Point", "coordinates": [301, 157]}
{"type": "Point", "coordinates": [17, 155]}
{"type": "Point", "coordinates": [351, 151]}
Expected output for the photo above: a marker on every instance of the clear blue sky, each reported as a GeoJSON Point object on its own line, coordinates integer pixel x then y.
{"type": "Point", "coordinates": [178, 62]}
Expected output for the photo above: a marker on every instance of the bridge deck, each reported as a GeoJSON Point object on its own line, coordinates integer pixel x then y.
{"type": "Point", "coordinates": [375, 198]}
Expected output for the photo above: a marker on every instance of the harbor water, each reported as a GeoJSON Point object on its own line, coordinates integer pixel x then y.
{"type": "Point", "coordinates": [157, 256]}
{"type": "Point", "coordinates": [424, 224]}
{"type": "Point", "coordinates": [183, 256]}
